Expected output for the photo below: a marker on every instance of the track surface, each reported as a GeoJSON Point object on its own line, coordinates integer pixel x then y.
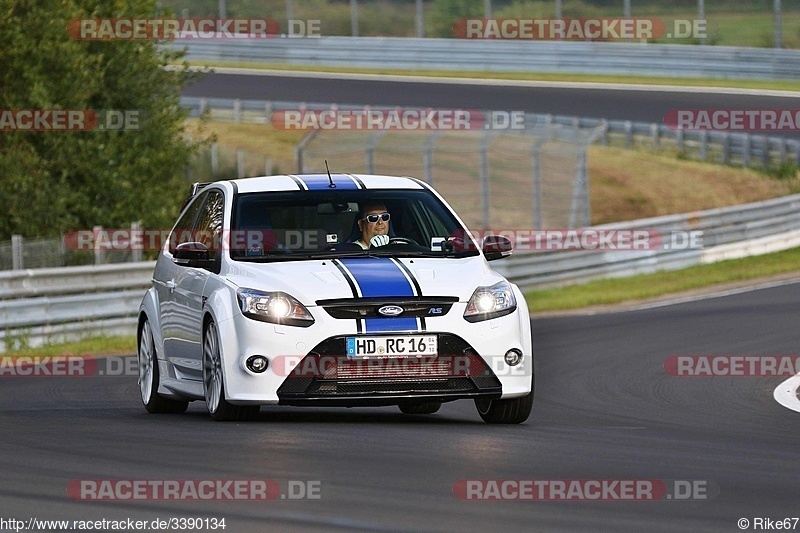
{"type": "Point", "coordinates": [619, 104]}
{"type": "Point", "coordinates": [604, 409]}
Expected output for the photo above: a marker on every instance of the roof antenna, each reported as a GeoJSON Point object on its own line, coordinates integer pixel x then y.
{"type": "Point", "coordinates": [332, 185]}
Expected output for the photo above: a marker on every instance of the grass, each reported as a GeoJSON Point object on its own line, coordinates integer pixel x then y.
{"type": "Point", "coordinates": [744, 23]}
{"type": "Point", "coordinates": [765, 85]}
{"type": "Point", "coordinates": [613, 291]}
{"type": "Point", "coordinates": [88, 346]}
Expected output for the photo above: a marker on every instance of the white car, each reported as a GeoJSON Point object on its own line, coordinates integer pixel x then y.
{"type": "Point", "coordinates": [262, 297]}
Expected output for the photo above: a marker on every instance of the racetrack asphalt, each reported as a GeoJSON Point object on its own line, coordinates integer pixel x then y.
{"type": "Point", "coordinates": [610, 103]}
{"type": "Point", "coordinates": [605, 409]}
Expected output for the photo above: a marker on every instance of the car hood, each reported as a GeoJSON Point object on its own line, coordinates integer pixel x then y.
{"type": "Point", "coordinates": [313, 280]}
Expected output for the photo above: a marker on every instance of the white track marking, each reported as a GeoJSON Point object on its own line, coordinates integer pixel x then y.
{"type": "Point", "coordinates": [786, 393]}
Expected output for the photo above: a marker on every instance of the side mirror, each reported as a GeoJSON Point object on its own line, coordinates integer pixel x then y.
{"type": "Point", "coordinates": [496, 247]}
{"type": "Point", "coordinates": [192, 254]}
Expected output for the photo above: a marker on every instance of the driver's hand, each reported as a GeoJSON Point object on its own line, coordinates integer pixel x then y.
{"type": "Point", "coordinates": [378, 240]}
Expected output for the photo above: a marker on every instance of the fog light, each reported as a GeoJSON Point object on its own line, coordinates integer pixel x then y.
{"type": "Point", "coordinates": [513, 357]}
{"type": "Point", "coordinates": [257, 363]}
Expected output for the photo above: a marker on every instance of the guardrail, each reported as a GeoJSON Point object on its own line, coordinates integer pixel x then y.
{"type": "Point", "coordinates": [728, 148]}
{"type": "Point", "coordinates": [727, 233]}
{"type": "Point", "coordinates": [39, 306]}
{"type": "Point", "coordinates": [61, 304]}
{"type": "Point", "coordinates": [681, 61]}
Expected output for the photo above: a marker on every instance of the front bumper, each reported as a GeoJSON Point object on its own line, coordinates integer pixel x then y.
{"type": "Point", "coordinates": [290, 348]}
{"type": "Point", "coordinates": [325, 377]}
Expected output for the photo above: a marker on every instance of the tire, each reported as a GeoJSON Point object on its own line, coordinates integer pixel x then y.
{"type": "Point", "coordinates": [513, 411]}
{"type": "Point", "coordinates": [420, 408]}
{"type": "Point", "coordinates": [214, 383]}
{"type": "Point", "coordinates": [149, 377]}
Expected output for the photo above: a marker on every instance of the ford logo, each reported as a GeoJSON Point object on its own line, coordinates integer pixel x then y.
{"type": "Point", "coordinates": [390, 310]}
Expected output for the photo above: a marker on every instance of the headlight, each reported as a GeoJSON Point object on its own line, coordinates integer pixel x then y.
{"type": "Point", "coordinates": [490, 302]}
{"type": "Point", "coordinates": [276, 307]}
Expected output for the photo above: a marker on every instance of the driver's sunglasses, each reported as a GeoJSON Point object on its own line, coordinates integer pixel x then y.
{"type": "Point", "coordinates": [372, 219]}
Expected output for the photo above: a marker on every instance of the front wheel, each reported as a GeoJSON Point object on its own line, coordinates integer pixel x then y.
{"type": "Point", "coordinates": [149, 378]}
{"type": "Point", "coordinates": [213, 383]}
{"type": "Point", "coordinates": [420, 408]}
{"type": "Point", "coordinates": [513, 411]}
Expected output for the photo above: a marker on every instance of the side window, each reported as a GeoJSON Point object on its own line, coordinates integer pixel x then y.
{"type": "Point", "coordinates": [183, 228]}
{"type": "Point", "coordinates": [209, 224]}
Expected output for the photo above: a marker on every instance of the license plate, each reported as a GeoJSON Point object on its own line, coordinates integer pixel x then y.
{"type": "Point", "coordinates": [392, 346]}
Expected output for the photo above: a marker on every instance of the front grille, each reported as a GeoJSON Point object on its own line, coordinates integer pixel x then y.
{"type": "Point", "coordinates": [457, 372]}
{"type": "Point", "coordinates": [358, 308]}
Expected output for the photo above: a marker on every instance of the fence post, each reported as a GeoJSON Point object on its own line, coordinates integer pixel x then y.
{"type": "Point", "coordinates": [628, 134]}
{"type": "Point", "coordinates": [484, 176]}
{"type": "Point", "coordinates": [427, 156]}
{"type": "Point", "coordinates": [17, 260]}
{"type": "Point", "coordinates": [136, 251]}
{"type": "Point", "coordinates": [704, 145]}
{"type": "Point", "coordinates": [237, 110]}
{"type": "Point", "coordinates": [300, 148]}
{"type": "Point", "coordinates": [214, 160]}
{"type": "Point", "coordinates": [240, 162]}
{"type": "Point", "coordinates": [782, 150]}
{"type": "Point", "coordinates": [726, 148]}
{"type": "Point", "coordinates": [765, 153]}
{"type": "Point", "coordinates": [679, 139]}
{"type": "Point", "coordinates": [654, 132]}
{"type": "Point", "coordinates": [268, 111]}
{"type": "Point", "coordinates": [536, 162]}
{"type": "Point", "coordinates": [579, 214]}
{"type": "Point", "coordinates": [746, 151]}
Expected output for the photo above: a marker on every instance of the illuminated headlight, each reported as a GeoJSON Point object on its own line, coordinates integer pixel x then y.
{"type": "Point", "coordinates": [490, 302]}
{"type": "Point", "coordinates": [276, 307]}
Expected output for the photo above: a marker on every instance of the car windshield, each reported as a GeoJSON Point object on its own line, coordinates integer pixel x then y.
{"type": "Point", "coordinates": [280, 226]}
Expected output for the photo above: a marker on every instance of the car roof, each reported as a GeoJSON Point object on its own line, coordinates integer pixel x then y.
{"type": "Point", "coordinates": [298, 182]}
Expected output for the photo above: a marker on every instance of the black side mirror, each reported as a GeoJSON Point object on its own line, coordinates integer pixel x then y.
{"type": "Point", "coordinates": [496, 247]}
{"type": "Point", "coordinates": [192, 254]}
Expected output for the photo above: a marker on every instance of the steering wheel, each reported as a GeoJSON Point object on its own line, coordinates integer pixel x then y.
{"type": "Point", "coordinates": [402, 240]}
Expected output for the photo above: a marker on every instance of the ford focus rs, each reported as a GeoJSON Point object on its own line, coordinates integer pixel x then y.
{"type": "Point", "coordinates": [331, 290]}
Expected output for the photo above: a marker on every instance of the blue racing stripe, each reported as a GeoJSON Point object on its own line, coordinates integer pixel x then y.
{"type": "Point", "coordinates": [379, 277]}
{"type": "Point", "coordinates": [317, 182]}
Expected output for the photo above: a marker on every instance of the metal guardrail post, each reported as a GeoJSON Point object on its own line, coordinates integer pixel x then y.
{"type": "Point", "coordinates": [17, 256]}
{"type": "Point", "coordinates": [679, 139]}
{"type": "Point", "coordinates": [136, 252]}
{"type": "Point", "coordinates": [99, 252]}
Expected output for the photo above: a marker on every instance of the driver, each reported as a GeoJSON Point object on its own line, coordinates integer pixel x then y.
{"type": "Point", "coordinates": [374, 225]}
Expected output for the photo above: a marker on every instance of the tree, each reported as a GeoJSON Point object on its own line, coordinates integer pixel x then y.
{"type": "Point", "coordinates": [53, 181]}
